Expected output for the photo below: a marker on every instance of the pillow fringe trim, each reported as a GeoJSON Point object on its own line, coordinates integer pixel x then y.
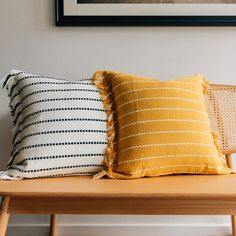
{"type": "Point", "coordinates": [4, 81]}
{"type": "Point", "coordinates": [205, 84]}
{"type": "Point", "coordinates": [100, 82]}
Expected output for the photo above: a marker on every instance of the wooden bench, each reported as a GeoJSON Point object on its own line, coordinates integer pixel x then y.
{"type": "Point", "coordinates": [170, 195]}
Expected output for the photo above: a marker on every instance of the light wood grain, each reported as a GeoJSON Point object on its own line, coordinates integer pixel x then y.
{"type": "Point", "coordinates": [4, 215]}
{"type": "Point", "coordinates": [192, 186]}
{"type": "Point", "coordinates": [122, 205]}
{"type": "Point", "coordinates": [53, 224]}
{"type": "Point", "coordinates": [179, 195]}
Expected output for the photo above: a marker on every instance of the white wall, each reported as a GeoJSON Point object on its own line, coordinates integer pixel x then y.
{"type": "Point", "coordinates": [29, 41]}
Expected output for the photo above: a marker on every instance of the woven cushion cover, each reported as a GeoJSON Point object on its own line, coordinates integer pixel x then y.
{"type": "Point", "coordinates": [158, 127]}
{"type": "Point", "coordinates": [59, 126]}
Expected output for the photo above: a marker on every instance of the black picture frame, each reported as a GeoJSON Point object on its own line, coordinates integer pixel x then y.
{"type": "Point", "coordinates": [167, 20]}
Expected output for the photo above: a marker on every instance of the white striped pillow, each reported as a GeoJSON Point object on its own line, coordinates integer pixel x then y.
{"type": "Point", "coordinates": [59, 126]}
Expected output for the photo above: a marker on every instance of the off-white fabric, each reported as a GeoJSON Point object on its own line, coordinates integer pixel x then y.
{"type": "Point", "coordinates": [59, 126]}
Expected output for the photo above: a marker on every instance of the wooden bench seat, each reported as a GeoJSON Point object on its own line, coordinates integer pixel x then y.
{"type": "Point", "coordinates": [178, 186]}
{"type": "Point", "coordinates": [161, 195]}
{"type": "Point", "coordinates": [178, 195]}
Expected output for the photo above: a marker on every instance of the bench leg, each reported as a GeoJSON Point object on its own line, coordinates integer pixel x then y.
{"type": "Point", "coordinates": [233, 222]}
{"type": "Point", "coordinates": [233, 218]}
{"type": "Point", "coordinates": [4, 215]}
{"type": "Point", "coordinates": [53, 225]}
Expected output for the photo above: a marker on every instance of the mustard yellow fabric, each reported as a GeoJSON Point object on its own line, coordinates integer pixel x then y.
{"type": "Point", "coordinates": [158, 127]}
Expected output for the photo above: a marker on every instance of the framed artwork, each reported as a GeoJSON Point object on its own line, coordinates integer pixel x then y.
{"type": "Point", "coordinates": [146, 12]}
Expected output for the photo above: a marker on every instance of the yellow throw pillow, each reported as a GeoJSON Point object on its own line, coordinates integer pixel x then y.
{"type": "Point", "coordinates": [158, 127]}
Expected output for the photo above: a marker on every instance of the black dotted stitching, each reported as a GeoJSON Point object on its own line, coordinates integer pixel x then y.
{"type": "Point", "coordinates": [52, 100]}
{"type": "Point", "coordinates": [52, 90]}
{"type": "Point", "coordinates": [57, 109]}
{"type": "Point", "coordinates": [39, 83]}
{"type": "Point", "coordinates": [35, 76]}
{"type": "Point", "coordinates": [61, 156]}
{"type": "Point", "coordinates": [53, 144]}
{"type": "Point", "coordinates": [59, 132]}
{"type": "Point", "coordinates": [27, 77]}
{"type": "Point", "coordinates": [58, 144]}
{"type": "Point", "coordinates": [55, 168]}
{"type": "Point", "coordinates": [56, 120]}
{"type": "Point", "coordinates": [61, 175]}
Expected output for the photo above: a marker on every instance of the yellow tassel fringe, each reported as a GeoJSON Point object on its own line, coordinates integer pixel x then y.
{"type": "Point", "coordinates": [100, 82]}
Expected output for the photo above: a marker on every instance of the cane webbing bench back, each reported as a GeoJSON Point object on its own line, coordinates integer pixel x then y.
{"type": "Point", "coordinates": [221, 108]}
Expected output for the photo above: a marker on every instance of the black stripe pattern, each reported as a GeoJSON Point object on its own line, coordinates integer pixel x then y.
{"type": "Point", "coordinates": [59, 126]}
{"type": "Point", "coordinates": [52, 100]}
{"type": "Point", "coordinates": [56, 120]}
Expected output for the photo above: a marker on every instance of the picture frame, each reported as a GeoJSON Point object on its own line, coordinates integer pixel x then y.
{"type": "Point", "coordinates": [104, 13]}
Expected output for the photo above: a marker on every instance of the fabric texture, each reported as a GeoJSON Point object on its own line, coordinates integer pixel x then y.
{"type": "Point", "coordinates": [158, 127]}
{"type": "Point", "coordinates": [59, 126]}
